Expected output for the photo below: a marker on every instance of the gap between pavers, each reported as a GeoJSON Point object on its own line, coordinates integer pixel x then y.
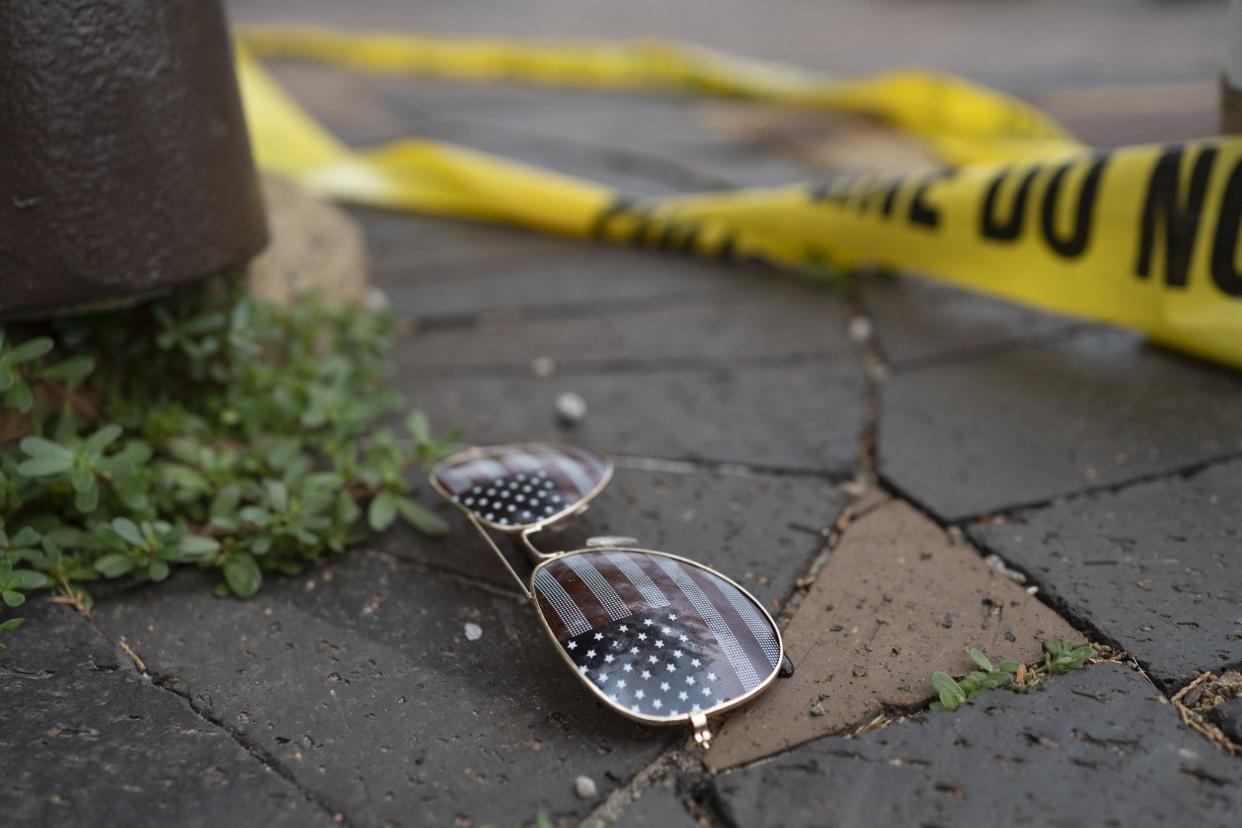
{"type": "Point", "coordinates": [897, 600]}
{"type": "Point", "coordinates": [1151, 568]}
{"type": "Point", "coordinates": [1094, 747]}
{"type": "Point", "coordinates": [361, 680]}
{"type": "Point", "coordinates": [88, 742]}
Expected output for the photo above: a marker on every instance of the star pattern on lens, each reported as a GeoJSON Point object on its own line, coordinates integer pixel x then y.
{"type": "Point", "coordinates": [638, 671]}
{"type": "Point", "coordinates": [677, 628]}
{"type": "Point", "coordinates": [514, 499]}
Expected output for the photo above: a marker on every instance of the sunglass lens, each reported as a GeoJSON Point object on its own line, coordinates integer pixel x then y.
{"type": "Point", "coordinates": [657, 636]}
{"type": "Point", "coordinates": [521, 485]}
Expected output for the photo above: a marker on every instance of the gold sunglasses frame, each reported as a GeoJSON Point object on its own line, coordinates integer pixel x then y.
{"type": "Point", "coordinates": [698, 721]}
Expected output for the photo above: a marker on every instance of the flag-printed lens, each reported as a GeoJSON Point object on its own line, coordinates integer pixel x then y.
{"type": "Point", "coordinates": [657, 636]}
{"type": "Point", "coordinates": [517, 486]}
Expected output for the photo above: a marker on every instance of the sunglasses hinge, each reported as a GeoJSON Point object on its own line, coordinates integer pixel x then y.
{"type": "Point", "coordinates": [702, 736]}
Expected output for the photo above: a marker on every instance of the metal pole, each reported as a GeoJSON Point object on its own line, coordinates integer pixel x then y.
{"type": "Point", "coordinates": [1231, 77]}
{"type": "Point", "coordinates": [125, 169]}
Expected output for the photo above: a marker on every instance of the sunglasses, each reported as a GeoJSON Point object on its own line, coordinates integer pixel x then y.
{"type": "Point", "coordinates": [657, 637]}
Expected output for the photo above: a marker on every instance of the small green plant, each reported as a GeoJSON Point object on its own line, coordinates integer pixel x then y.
{"type": "Point", "coordinates": [1059, 658]}
{"type": "Point", "coordinates": [953, 693]}
{"type": "Point", "coordinates": [208, 429]}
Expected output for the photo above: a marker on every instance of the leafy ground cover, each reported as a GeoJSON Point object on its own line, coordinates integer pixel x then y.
{"type": "Point", "coordinates": [207, 429]}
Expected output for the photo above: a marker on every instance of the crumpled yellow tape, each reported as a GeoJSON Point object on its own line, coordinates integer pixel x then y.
{"type": "Point", "coordinates": [1144, 237]}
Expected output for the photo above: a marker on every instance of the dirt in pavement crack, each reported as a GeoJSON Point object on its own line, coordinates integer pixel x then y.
{"type": "Point", "coordinates": [172, 683]}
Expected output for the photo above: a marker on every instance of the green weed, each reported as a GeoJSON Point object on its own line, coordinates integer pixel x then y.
{"type": "Point", "coordinates": [1059, 658]}
{"type": "Point", "coordinates": [209, 430]}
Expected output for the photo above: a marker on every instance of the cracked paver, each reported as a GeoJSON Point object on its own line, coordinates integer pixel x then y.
{"type": "Point", "coordinates": [1153, 567]}
{"type": "Point", "coordinates": [86, 741]}
{"type": "Point", "coordinates": [1095, 747]}
{"type": "Point", "coordinates": [359, 680]}
{"type": "Point", "coordinates": [896, 600]}
{"type": "Point", "coordinates": [1030, 424]}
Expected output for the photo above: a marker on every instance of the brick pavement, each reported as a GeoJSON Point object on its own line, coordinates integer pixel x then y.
{"type": "Point", "coordinates": [854, 486]}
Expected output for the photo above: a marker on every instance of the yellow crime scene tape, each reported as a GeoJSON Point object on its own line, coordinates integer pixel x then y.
{"type": "Point", "coordinates": [1144, 237]}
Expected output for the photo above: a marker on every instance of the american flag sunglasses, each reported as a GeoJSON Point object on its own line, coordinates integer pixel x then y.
{"type": "Point", "coordinates": [657, 637]}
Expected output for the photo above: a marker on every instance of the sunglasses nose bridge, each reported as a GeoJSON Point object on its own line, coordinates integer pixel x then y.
{"type": "Point", "coordinates": [533, 552]}
{"type": "Point", "coordinates": [610, 540]}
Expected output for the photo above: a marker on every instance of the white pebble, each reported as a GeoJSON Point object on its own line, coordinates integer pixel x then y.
{"type": "Point", "coordinates": [570, 407]}
{"type": "Point", "coordinates": [376, 300]}
{"type": "Point", "coordinates": [584, 787]}
{"type": "Point", "coordinates": [473, 632]}
{"type": "Point", "coordinates": [860, 329]}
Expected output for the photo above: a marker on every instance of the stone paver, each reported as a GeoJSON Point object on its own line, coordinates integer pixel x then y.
{"type": "Point", "coordinates": [1228, 715]}
{"type": "Point", "coordinates": [1095, 747]}
{"type": "Point", "coordinates": [761, 530]}
{"type": "Point", "coordinates": [655, 144]}
{"type": "Point", "coordinates": [346, 104]}
{"type": "Point", "coordinates": [402, 246]}
{"type": "Point", "coordinates": [1142, 111]}
{"type": "Point", "coordinates": [646, 125]}
{"type": "Point", "coordinates": [629, 172]}
{"type": "Point", "coordinates": [918, 321]}
{"type": "Point", "coordinates": [642, 144]}
{"type": "Point", "coordinates": [360, 680]}
{"type": "Point", "coordinates": [567, 278]}
{"type": "Point", "coordinates": [88, 742]}
{"type": "Point", "coordinates": [764, 318]}
{"type": "Point", "coordinates": [807, 416]}
{"type": "Point", "coordinates": [1035, 423]}
{"type": "Point", "coordinates": [1022, 47]}
{"type": "Point", "coordinates": [658, 807]}
{"type": "Point", "coordinates": [896, 601]}
{"type": "Point", "coordinates": [1153, 567]}
{"type": "Point", "coordinates": [356, 686]}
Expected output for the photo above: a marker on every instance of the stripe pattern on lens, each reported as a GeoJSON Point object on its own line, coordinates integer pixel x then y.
{"type": "Point", "coordinates": [663, 638]}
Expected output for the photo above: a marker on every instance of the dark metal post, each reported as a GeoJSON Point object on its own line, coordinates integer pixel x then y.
{"type": "Point", "coordinates": [1231, 78]}
{"type": "Point", "coordinates": [125, 169]}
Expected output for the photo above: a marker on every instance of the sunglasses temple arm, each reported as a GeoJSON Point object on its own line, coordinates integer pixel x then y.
{"type": "Point", "coordinates": [478, 528]}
